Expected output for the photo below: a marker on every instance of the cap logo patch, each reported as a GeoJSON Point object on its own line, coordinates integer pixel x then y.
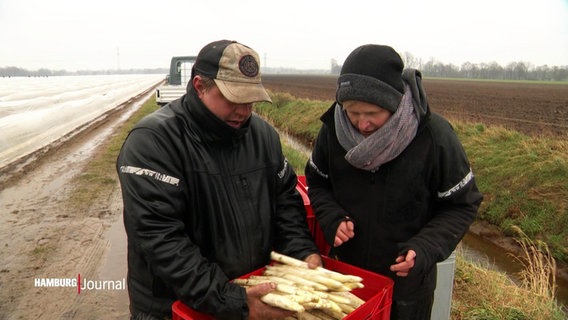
{"type": "Point", "coordinates": [248, 66]}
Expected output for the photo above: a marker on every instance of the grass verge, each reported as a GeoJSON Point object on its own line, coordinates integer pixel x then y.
{"type": "Point", "coordinates": [480, 293]}
{"type": "Point", "coordinates": [524, 180]}
{"type": "Point", "coordinates": [100, 174]}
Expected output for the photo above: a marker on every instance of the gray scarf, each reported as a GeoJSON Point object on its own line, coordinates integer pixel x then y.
{"type": "Point", "coordinates": [384, 144]}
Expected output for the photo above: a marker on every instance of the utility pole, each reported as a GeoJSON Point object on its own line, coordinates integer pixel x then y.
{"type": "Point", "coordinates": [117, 58]}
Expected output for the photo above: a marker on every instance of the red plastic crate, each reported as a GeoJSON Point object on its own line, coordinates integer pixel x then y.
{"type": "Point", "coordinates": [313, 224]}
{"type": "Point", "coordinates": [377, 293]}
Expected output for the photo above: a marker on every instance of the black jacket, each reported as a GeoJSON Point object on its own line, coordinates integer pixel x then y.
{"type": "Point", "coordinates": [425, 200]}
{"type": "Point", "coordinates": [205, 203]}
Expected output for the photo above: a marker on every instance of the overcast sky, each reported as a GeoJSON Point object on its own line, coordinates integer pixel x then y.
{"type": "Point", "coordinates": [302, 34]}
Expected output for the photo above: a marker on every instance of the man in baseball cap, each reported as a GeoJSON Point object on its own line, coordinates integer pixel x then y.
{"type": "Point", "coordinates": [208, 195]}
{"type": "Point", "coordinates": [235, 69]}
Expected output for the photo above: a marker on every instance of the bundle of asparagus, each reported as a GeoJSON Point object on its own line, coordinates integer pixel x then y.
{"type": "Point", "coordinates": [312, 293]}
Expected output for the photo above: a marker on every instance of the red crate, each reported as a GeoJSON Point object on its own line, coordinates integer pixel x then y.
{"type": "Point", "coordinates": [180, 311]}
{"type": "Point", "coordinates": [313, 224]}
{"type": "Point", "coordinates": [377, 293]}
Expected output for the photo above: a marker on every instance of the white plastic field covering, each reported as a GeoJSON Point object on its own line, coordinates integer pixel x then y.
{"type": "Point", "coordinates": [35, 111]}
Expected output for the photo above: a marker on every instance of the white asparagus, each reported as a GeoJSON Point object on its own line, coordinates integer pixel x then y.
{"type": "Point", "coordinates": [353, 299]}
{"type": "Point", "coordinates": [289, 289]}
{"type": "Point", "coordinates": [306, 315]}
{"type": "Point", "coordinates": [282, 302]}
{"type": "Point", "coordinates": [332, 284]}
{"type": "Point", "coordinates": [295, 291]}
{"type": "Point", "coordinates": [345, 278]}
{"type": "Point", "coordinates": [281, 280]}
{"type": "Point", "coordinates": [299, 263]}
{"type": "Point", "coordinates": [249, 281]}
{"type": "Point", "coordinates": [337, 298]}
{"type": "Point", "coordinates": [313, 275]}
{"type": "Point", "coordinates": [297, 279]}
{"type": "Point", "coordinates": [323, 304]}
{"type": "Point", "coordinates": [302, 300]}
{"type": "Point", "coordinates": [306, 282]}
{"type": "Point", "coordinates": [346, 308]}
{"type": "Point", "coordinates": [287, 260]}
{"type": "Point", "coordinates": [311, 293]}
{"type": "Point", "coordinates": [334, 314]}
{"type": "Point", "coordinates": [352, 285]}
{"type": "Point", "coordinates": [274, 279]}
{"type": "Point", "coordinates": [320, 314]}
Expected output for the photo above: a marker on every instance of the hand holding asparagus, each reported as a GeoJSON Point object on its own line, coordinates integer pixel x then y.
{"type": "Point", "coordinates": [311, 293]}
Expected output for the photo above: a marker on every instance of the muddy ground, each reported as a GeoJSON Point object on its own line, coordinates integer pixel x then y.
{"type": "Point", "coordinates": [41, 237]}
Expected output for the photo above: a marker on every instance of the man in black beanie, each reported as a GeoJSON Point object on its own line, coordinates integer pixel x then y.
{"type": "Point", "coordinates": [389, 181]}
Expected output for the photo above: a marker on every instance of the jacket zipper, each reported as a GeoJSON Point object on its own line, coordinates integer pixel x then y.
{"type": "Point", "coordinates": [244, 183]}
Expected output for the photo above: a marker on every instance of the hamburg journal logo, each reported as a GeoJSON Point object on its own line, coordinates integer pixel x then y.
{"type": "Point", "coordinates": [80, 284]}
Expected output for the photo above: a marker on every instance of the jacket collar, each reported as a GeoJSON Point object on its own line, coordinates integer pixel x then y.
{"type": "Point", "coordinates": [211, 128]}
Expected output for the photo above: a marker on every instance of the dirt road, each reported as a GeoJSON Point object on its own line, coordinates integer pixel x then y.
{"type": "Point", "coordinates": [47, 246]}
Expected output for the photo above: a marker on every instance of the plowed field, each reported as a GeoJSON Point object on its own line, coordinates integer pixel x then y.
{"type": "Point", "coordinates": [530, 108]}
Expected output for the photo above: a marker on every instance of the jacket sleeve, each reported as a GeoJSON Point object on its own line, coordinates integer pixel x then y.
{"type": "Point", "coordinates": [455, 206]}
{"type": "Point", "coordinates": [153, 192]}
{"type": "Point", "coordinates": [320, 190]}
{"type": "Point", "coordinates": [293, 236]}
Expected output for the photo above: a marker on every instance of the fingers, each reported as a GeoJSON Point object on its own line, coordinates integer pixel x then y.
{"type": "Point", "coordinates": [337, 242]}
{"type": "Point", "coordinates": [345, 231]}
{"type": "Point", "coordinates": [314, 261]}
{"type": "Point", "coordinates": [261, 289]}
{"type": "Point", "coordinates": [259, 310]}
{"type": "Point", "coordinates": [350, 226]}
{"type": "Point", "coordinates": [404, 264]}
{"type": "Point", "coordinates": [410, 256]}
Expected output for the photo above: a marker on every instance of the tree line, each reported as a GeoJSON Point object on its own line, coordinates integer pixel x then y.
{"type": "Point", "coordinates": [43, 72]}
{"type": "Point", "coordinates": [468, 70]}
{"type": "Point", "coordinates": [431, 68]}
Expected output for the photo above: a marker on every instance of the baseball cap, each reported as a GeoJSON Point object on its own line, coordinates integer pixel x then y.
{"type": "Point", "coordinates": [235, 69]}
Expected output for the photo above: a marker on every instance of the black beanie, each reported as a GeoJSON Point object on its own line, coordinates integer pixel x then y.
{"type": "Point", "coordinates": [372, 73]}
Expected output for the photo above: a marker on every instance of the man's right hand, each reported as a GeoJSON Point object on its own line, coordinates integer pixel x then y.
{"type": "Point", "coordinates": [259, 310]}
{"type": "Point", "coordinates": [345, 231]}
